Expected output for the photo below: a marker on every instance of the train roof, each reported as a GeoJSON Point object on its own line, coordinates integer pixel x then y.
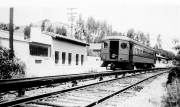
{"type": "Point", "coordinates": [127, 39]}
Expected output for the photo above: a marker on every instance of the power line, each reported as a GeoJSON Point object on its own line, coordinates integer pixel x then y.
{"type": "Point", "coordinates": [71, 18]}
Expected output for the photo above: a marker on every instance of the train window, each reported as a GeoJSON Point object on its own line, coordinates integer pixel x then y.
{"type": "Point", "coordinates": [141, 52]}
{"type": "Point", "coordinates": [123, 45]}
{"type": "Point", "coordinates": [135, 50]}
{"type": "Point", "coordinates": [105, 45]}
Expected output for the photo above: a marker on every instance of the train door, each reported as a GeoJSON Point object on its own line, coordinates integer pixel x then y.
{"type": "Point", "coordinates": [114, 49]}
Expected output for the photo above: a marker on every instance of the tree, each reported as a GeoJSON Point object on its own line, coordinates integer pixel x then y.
{"type": "Point", "coordinates": [147, 40]}
{"type": "Point", "coordinates": [130, 33]}
{"type": "Point", "coordinates": [90, 29]}
{"type": "Point", "coordinates": [61, 31]}
{"type": "Point", "coordinates": [142, 37]}
{"type": "Point", "coordinates": [4, 26]}
{"type": "Point", "coordinates": [114, 33]}
{"type": "Point", "coordinates": [64, 31]}
{"type": "Point", "coordinates": [137, 36]}
{"type": "Point", "coordinates": [79, 34]}
{"type": "Point", "coordinates": [176, 47]}
{"type": "Point", "coordinates": [43, 26]}
{"type": "Point", "coordinates": [119, 33]}
{"type": "Point", "coordinates": [159, 42]}
{"type": "Point", "coordinates": [175, 40]}
{"type": "Point", "coordinates": [109, 30]}
{"type": "Point", "coordinates": [91, 25]}
{"type": "Point", "coordinates": [10, 67]}
{"type": "Point", "coordinates": [50, 29]}
{"type": "Point", "coordinates": [27, 31]}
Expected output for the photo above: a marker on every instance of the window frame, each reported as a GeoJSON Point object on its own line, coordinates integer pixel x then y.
{"type": "Point", "coordinates": [82, 59]}
{"type": "Point", "coordinates": [56, 57]}
{"type": "Point", "coordinates": [63, 58]}
{"type": "Point", "coordinates": [77, 59]}
{"type": "Point", "coordinates": [38, 50]}
{"type": "Point", "coordinates": [69, 58]}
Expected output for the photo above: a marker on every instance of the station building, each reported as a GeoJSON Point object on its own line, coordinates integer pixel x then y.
{"type": "Point", "coordinates": [162, 61]}
{"type": "Point", "coordinates": [46, 53]}
{"type": "Point", "coordinates": [94, 49]}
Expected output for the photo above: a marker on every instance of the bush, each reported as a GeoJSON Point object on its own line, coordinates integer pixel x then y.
{"type": "Point", "coordinates": [174, 73]}
{"type": "Point", "coordinates": [173, 88]}
{"type": "Point", "coordinates": [10, 67]}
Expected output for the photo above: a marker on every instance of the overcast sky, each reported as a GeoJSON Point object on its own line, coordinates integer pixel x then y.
{"type": "Point", "coordinates": [150, 16]}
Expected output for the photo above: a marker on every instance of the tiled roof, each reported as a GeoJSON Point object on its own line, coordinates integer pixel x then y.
{"type": "Point", "coordinates": [65, 38]}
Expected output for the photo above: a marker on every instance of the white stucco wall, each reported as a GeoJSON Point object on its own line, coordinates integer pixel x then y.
{"type": "Point", "coordinates": [21, 48]}
{"type": "Point", "coordinates": [48, 67]}
{"type": "Point", "coordinates": [64, 46]}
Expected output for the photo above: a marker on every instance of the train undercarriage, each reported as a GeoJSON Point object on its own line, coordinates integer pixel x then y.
{"type": "Point", "coordinates": [113, 65]}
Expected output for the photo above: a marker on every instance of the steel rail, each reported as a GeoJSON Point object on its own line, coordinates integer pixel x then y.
{"type": "Point", "coordinates": [115, 93]}
{"type": "Point", "coordinates": [19, 84]}
{"type": "Point", "coordinates": [30, 99]}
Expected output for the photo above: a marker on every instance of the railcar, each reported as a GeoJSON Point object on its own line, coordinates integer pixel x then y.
{"type": "Point", "coordinates": [126, 53]}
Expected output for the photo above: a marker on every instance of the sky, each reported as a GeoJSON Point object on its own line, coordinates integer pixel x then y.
{"type": "Point", "coordinates": [149, 16]}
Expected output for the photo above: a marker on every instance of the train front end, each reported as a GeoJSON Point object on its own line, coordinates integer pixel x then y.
{"type": "Point", "coordinates": [114, 52]}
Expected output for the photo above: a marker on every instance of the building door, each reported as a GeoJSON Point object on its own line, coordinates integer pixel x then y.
{"type": "Point", "coordinates": [114, 49]}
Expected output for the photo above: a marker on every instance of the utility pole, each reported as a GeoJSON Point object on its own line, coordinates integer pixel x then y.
{"type": "Point", "coordinates": [11, 34]}
{"type": "Point", "coordinates": [71, 18]}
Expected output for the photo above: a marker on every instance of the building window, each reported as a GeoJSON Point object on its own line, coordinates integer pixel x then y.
{"type": "Point", "coordinates": [38, 50]}
{"type": "Point", "coordinates": [77, 59]}
{"type": "Point", "coordinates": [82, 59]}
{"type": "Point", "coordinates": [63, 57]}
{"type": "Point", "coordinates": [69, 58]}
{"type": "Point", "coordinates": [56, 57]}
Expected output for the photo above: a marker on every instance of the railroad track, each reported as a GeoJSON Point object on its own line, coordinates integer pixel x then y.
{"type": "Point", "coordinates": [86, 95]}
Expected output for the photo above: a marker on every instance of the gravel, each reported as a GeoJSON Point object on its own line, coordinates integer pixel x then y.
{"type": "Point", "coordinates": [150, 96]}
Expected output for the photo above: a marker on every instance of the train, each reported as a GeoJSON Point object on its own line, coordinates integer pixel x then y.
{"type": "Point", "coordinates": [125, 53]}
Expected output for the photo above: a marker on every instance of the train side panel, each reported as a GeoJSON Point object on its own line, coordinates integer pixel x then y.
{"type": "Point", "coordinates": [140, 59]}
{"type": "Point", "coordinates": [105, 50]}
{"type": "Point", "coordinates": [143, 56]}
